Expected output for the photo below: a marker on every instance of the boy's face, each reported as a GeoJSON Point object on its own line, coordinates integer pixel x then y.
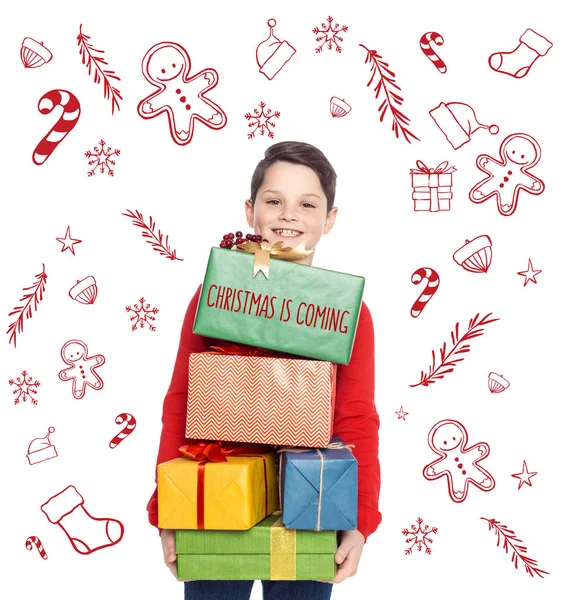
{"type": "Point", "coordinates": [291, 207]}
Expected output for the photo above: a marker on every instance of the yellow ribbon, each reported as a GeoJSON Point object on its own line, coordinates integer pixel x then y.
{"type": "Point", "coordinates": [282, 552]}
{"type": "Point", "coordinates": [264, 250]}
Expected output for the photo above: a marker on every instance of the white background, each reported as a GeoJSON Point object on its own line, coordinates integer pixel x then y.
{"type": "Point", "coordinates": [195, 194]}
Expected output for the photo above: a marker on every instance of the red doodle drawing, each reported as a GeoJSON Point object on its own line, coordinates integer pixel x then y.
{"type": "Point", "coordinates": [142, 314]}
{"type": "Point", "coordinates": [261, 121]}
{"type": "Point", "coordinates": [34, 54]}
{"type": "Point", "coordinates": [41, 449]}
{"type": "Point", "coordinates": [34, 542]}
{"type": "Point", "coordinates": [401, 413]}
{"type": "Point", "coordinates": [530, 274]}
{"type": "Point", "coordinates": [387, 85]}
{"type": "Point", "coordinates": [85, 532]}
{"type": "Point", "coordinates": [512, 543]}
{"type": "Point", "coordinates": [448, 360]}
{"type": "Point", "coordinates": [32, 298]}
{"type": "Point", "coordinates": [158, 243]}
{"type": "Point", "coordinates": [456, 462]}
{"type": "Point", "coordinates": [476, 255]}
{"type": "Point", "coordinates": [130, 424]}
{"type": "Point", "coordinates": [425, 45]}
{"type": "Point", "coordinates": [167, 66]}
{"type": "Point", "coordinates": [431, 280]}
{"type": "Point", "coordinates": [457, 121]}
{"type": "Point", "coordinates": [68, 242]}
{"type": "Point", "coordinates": [81, 371]}
{"type": "Point", "coordinates": [497, 383]}
{"type": "Point", "coordinates": [432, 187]}
{"type": "Point", "coordinates": [272, 54]}
{"type": "Point", "coordinates": [101, 159]}
{"type": "Point", "coordinates": [84, 291]}
{"type": "Point", "coordinates": [339, 107]}
{"type": "Point", "coordinates": [508, 177]}
{"type": "Point", "coordinates": [71, 111]}
{"type": "Point", "coordinates": [25, 388]}
{"type": "Point", "coordinates": [518, 62]}
{"type": "Point", "coordinates": [524, 476]}
{"type": "Point", "coordinates": [329, 35]}
{"type": "Point", "coordinates": [92, 58]}
{"type": "Point", "coordinates": [417, 536]}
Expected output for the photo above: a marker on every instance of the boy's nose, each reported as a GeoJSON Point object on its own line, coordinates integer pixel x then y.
{"type": "Point", "coordinates": [288, 214]}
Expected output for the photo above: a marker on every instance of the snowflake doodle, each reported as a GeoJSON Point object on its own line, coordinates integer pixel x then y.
{"type": "Point", "coordinates": [142, 314]}
{"type": "Point", "coordinates": [25, 388]}
{"type": "Point", "coordinates": [261, 120]}
{"type": "Point", "coordinates": [418, 536]}
{"type": "Point", "coordinates": [101, 159]}
{"type": "Point", "coordinates": [329, 35]}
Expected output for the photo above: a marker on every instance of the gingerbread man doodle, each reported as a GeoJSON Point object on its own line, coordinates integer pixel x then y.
{"type": "Point", "coordinates": [82, 370]}
{"type": "Point", "coordinates": [459, 464]}
{"type": "Point", "coordinates": [508, 177]}
{"type": "Point", "coordinates": [167, 67]}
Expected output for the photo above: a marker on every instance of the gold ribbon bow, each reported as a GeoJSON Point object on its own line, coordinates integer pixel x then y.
{"type": "Point", "coordinates": [331, 446]}
{"type": "Point", "coordinates": [264, 250]}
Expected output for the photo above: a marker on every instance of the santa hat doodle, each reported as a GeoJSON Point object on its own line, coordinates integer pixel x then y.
{"type": "Point", "coordinates": [458, 122]}
{"type": "Point", "coordinates": [41, 449]}
{"type": "Point", "coordinates": [272, 53]}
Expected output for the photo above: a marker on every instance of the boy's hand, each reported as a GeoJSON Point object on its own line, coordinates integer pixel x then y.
{"type": "Point", "coordinates": [169, 549]}
{"type": "Point", "coordinates": [348, 555]}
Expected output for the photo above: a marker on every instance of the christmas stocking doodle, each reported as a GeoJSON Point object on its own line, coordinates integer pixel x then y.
{"type": "Point", "coordinates": [518, 62]}
{"type": "Point", "coordinates": [86, 533]}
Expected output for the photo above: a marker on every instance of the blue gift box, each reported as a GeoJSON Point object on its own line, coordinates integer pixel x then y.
{"type": "Point", "coordinates": [319, 488]}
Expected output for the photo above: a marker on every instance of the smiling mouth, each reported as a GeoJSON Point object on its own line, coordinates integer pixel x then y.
{"type": "Point", "coordinates": [288, 232]}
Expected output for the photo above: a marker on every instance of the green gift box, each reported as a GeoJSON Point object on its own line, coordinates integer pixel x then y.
{"type": "Point", "coordinates": [266, 551]}
{"type": "Point", "coordinates": [298, 309]}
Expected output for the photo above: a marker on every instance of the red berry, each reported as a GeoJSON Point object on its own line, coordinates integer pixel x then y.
{"type": "Point", "coordinates": [239, 234]}
{"type": "Point", "coordinates": [240, 240]}
{"type": "Point", "coordinates": [226, 237]}
{"type": "Point", "coordinates": [231, 236]}
{"type": "Point", "coordinates": [248, 236]}
{"type": "Point", "coordinates": [264, 240]}
{"type": "Point", "coordinates": [222, 244]}
{"type": "Point", "coordinates": [228, 243]}
{"type": "Point", "coordinates": [258, 238]}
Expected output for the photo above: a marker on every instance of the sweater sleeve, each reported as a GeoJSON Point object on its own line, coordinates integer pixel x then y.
{"type": "Point", "coordinates": [356, 420]}
{"type": "Point", "coordinates": [174, 407]}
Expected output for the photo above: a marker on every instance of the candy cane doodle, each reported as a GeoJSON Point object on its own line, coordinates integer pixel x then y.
{"type": "Point", "coordinates": [432, 283]}
{"type": "Point", "coordinates": [35, 541]}
{"type": "Point", "coordinates": [127, 429]}
{"type": "Point", "coordinates": [71, 111]}
{"type": "Point", "coordinates": [436, 38]}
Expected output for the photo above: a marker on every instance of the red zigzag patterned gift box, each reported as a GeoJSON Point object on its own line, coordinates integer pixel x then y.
{"type": "Point", "coordinates": [260, 399]}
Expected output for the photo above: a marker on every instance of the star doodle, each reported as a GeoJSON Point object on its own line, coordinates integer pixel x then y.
{"type": "Point", "coordinates": [530, 274]}
{"type": "Point", "coordinates": [401, 414]}
{"type": "Point", "coordinates": [525, 476]}
{"type": "Point", "coordinates": [68, 242]}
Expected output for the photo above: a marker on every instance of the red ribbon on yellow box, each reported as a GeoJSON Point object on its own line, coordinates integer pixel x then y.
{"type": "Point", "coordinates": [216, 452]}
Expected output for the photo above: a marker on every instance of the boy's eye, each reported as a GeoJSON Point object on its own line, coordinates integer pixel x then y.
{"type": "Point", "coordinates": [272, 200]}
{"type": "Point", "coordinates": [308, 204]}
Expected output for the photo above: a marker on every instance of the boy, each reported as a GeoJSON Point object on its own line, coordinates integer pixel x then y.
{"type": "Point", "coordinates": [292, 199]}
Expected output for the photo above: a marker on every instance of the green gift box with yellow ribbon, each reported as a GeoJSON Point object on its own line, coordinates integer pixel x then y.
{"type": "Point", "coordinates": [255, 295]}
{"type": "Point", "coordinates": [267, 551]}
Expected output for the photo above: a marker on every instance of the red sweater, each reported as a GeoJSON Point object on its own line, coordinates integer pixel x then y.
{"type": "Point", "coordinates": [355, 420]}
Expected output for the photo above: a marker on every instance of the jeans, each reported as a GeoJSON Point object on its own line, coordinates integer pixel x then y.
{"type": "Point", "coordinates": [272, 590]}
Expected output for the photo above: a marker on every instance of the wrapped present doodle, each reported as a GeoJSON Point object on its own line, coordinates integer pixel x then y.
{"type": "Point", "coordinates": [255, 295]}
{"type": "Point", "coordinates": [217, 486]}
{"type": "Point", "coordinates": [260, 399]}
{"type": "Point", "coordinates": [266, 551]}
{"type": "Point", "coordinates": [432, 187]}
{"type": "Point", "coordinates": [319, 487]}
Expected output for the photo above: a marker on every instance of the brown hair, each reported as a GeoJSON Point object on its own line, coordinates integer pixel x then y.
{"type": "Point", "coordinates": [298, 153]}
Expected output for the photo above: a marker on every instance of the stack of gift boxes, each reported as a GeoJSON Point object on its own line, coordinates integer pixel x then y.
{"type": "Point", "coordinates": [261, 490]}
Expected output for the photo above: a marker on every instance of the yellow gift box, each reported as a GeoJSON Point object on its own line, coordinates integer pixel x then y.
{"type": "Point", "coordinates": [234, 494]}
